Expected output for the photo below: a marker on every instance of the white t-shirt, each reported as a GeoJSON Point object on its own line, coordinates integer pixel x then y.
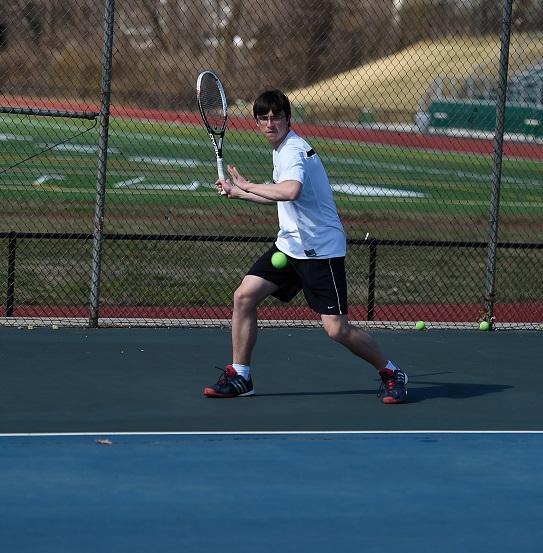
{"type": "Point", "coordinates": [309, 227]}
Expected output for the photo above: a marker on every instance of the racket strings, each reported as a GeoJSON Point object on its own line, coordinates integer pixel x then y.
{"type": "Point", "coordinates": [212, 104]}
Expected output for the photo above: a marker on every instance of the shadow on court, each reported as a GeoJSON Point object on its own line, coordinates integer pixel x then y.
{"type": "Point", "coordinates": [417, 393]}
{"type": "Point", "coordinates": [451, 390]}
{"type": "Point", "coordinates": [151, 380]}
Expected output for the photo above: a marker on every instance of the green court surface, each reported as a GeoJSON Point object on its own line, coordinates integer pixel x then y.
{"type": "Point", "coordinates": [151, 380]}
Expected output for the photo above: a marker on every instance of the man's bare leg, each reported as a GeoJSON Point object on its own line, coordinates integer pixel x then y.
{"type": "Point", "coordinates": [354, 339]}
{"type": "Point", "coordinates": [250, 293]}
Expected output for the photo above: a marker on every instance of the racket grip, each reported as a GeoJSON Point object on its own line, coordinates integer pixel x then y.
{"type": "Point", "coordinates": [220, 172]}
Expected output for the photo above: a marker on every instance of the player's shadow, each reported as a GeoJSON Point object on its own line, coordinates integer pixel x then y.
{"type": "Point", "coordinates": [419, 390]}
{"type": "Point", "coordinates": [422, 391]}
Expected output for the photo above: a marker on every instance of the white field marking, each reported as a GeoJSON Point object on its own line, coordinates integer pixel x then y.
{"type": "Point", "coordinates": [46, 178]}
{"type": "Point", "coordinates": [259, 146]}
{"type": "Point", "coordinates": [173, 140]}
{"type": "Point", "coordinates": [274, 433]}
{"type": "Point", "coordinates": [128, 183]}
{"type": "Point", "coordinates": [56, 125]}
{"type": "Point", "coordinates": [138, 184]}
{"type": "Point", "coordinates": [367, 163]}
{"type": "Point", "coordinates": [192, 187]}
{"type": "Point", "coordinates": [9, 186]}
{"type": "Point", "coordinates": [166, 161]}
{"type": "Point", "coordinates": [378, 165]}
{"type": "Point", "coordinates": [419, 170]}
{"type": "Point", "coordinates": [78, 148]}
{"type": "Point", "coordinates": [15, 138]}
{"type": "Point", "coordinates": [363, 190]}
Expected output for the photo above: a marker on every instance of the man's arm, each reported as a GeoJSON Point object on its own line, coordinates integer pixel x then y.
{"type": "Point", "coordinates": [283, 191]}
{"type": "Point", "coordinates": [241, 188]}
{"type": "Point", "coordinates": [236, 193]}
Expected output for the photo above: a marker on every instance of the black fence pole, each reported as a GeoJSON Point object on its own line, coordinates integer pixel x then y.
{"type": "Point", "coordinates": [98, 232]}
{"type": "Point", "coordinates": [371, 279]}
{"type": "Point", "coordinates": [501, 103]}
{"type": "Point", "coordinates": [12, 254]}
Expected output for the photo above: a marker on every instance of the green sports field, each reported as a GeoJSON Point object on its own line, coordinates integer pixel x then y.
{"type": "Point", "coordinates": [160, 181]}
{"type": "Point", "coordinates": [156, 168]}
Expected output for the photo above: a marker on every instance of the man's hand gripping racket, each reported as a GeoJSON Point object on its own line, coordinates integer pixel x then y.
{"type": "Point", "coordinates": [235, 186]}
{"type": "Point", "coordinates": [214, 110]}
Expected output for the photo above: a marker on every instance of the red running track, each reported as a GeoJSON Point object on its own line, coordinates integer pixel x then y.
{"type": "Point", "coordinates": [403, 139]}
{"type": "Point", "coordinates": [467, 312]}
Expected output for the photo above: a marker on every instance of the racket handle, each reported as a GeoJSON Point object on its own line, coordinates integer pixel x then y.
{"type": "Point", "coordinates": [220, 172]}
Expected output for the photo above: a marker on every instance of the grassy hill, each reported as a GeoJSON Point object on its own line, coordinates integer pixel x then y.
{"type": "Point", "coordinates": [392, 87]}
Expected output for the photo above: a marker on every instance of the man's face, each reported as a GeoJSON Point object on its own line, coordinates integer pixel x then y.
{"type": "Point", "coordinates": [273, 126]}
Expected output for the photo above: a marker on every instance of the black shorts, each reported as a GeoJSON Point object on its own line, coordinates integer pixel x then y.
{"type": "Point", "coordinates": [323, 281]}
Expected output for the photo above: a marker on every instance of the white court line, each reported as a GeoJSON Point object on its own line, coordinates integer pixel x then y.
{"type": "Point", "coordinates": [271, 433]}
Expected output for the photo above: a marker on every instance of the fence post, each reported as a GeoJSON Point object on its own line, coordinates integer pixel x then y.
{"type": "Point", "coordinates": [98, 230]}
{"type": "Point", "coordinates": [12, 254]}
{"type": "Point", "coordinates": [490, 288]}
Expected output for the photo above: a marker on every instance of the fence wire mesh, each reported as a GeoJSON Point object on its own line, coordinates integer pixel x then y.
{"type": "Point", "coordinates": [399, 98]}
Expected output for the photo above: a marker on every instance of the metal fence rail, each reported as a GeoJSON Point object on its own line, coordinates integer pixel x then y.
{"type": "Point", "coordinates": [372, 244]}
{"type": "Point", "coordinates": [106, 174]}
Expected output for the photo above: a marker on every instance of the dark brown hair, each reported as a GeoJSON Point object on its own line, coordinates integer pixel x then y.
{"type": "Point", "coordinates": [274, 101]}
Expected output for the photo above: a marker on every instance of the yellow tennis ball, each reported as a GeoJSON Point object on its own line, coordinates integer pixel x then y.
{"type": "Point", "coordinates": [420, 325]}
{"type": "Point", "coordinates": [484, 325]}
{"type": "Point", "coordinates": [279, 260]}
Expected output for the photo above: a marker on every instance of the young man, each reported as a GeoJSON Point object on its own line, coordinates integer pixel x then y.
{"type": "Point", "coordinates": [312, 237]}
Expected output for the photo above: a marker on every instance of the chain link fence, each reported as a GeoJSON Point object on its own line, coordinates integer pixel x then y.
{"type": "Point", "coordinates": [428, 117]}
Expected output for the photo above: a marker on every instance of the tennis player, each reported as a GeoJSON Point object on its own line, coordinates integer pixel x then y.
{"type": "Point", "coordinates": [313, 239]}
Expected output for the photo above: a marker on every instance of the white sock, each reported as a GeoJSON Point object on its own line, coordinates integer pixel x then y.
{"type": "Point", "coordinates": [243, 370]}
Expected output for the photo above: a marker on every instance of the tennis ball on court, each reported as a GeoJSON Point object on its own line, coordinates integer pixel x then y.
{"type": "Point", "coordinates": [420, 325]}
{"type": "Point", "coordinates": [484, 325]}
{"type": "Point", "coordinates": [279, 260]}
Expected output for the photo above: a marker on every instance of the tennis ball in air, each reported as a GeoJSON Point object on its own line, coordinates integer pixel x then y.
{"type": "Point", "coordinates": [420, 325]}
{"type": "Point", "coordinates": [484, 325]}
{"type": "Point", "coordinates": [279, 260]}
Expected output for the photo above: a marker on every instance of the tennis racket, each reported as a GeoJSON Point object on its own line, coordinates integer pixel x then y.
{"type": "Point", "coordinates": [214, 110]}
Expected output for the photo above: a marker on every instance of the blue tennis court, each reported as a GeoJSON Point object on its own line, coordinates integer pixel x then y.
{"type": "Point", "coordinates": [284, 492]}
{"type": "Point", "coordinates": [108, 445]}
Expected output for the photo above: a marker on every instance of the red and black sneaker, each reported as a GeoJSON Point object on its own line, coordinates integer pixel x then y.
{"type": "Point", "coordinates": [393, 387]}
{"type": "Point", "coordinates": [230, 384]}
